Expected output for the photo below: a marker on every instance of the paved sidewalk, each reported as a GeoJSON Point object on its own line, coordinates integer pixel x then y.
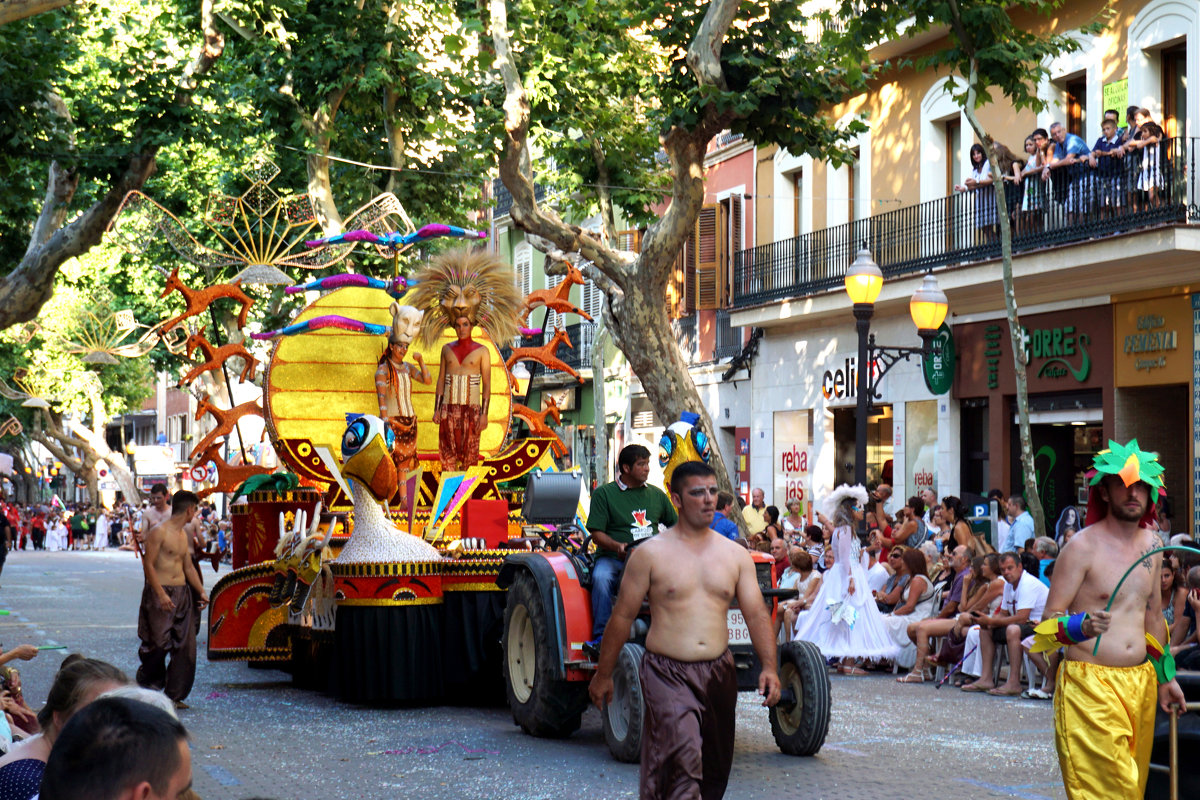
{"type": "Point", "coordinates": [253, 735]}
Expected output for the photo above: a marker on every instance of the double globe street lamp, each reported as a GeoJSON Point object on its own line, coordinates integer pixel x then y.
{"type": "Point", "coordinates": [928, 308]}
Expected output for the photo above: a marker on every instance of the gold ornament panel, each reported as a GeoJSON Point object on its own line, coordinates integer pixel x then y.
{"type": "Point", "coordinates": [313, 380]}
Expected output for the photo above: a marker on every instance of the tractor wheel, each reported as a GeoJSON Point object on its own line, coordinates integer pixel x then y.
{"type": "Point", "coordinates": [623, 717]}
{"type": "Point", "coordinates": [541, 704]}
{"type": "Point", "coordinates": [800, 727]}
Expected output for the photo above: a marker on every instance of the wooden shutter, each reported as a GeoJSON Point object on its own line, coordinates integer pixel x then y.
{"type": "Point", "coordinates": [736, 244]}
{"type": "Point", "coordinates": [630, 240]}
{"type": "Point", "coordinates": [709, 245]}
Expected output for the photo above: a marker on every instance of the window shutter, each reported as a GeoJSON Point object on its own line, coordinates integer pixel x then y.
{"type": "Point", "coordinates": [593, 299]}
{"type": "Point", "coordinates": [709, 254]}
{"type": "Point", "coordinates": [523, 267]}
{"type": "Point", "coordinates": [736, 244]}
{"type": "Point", "coordinates": [553, 318]}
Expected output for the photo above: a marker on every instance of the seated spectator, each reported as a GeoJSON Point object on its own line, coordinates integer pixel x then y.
{"type": "Point", "coordinates": [889, 596]}
{"type": "Point", "coordinates": [802, 577]}
{"type": "Point", "coordinates": [880, 497]}
{"type": "Point", "coordinates": [921, 631]}
{"type": "Point", "coordinates": [794, 523]}
{"type": "Point", "coordinates": [1046, 551]}
{"type": "Point", "coordinates": [1020, 610]}
{"type": "Point", "coordinates": [913, 531]}
{"type": "Point", "coordinates": [779, 551]}
{"type": "Point", "coordinates": [877, 573]}
{"type": "Point", "coordinates": [814, 545]}
{"type": "Point", "coordinates": [78, 682]}
{"type": "Point", "coordinates": [982, 591]}
{"type": "Point", "coordinates": [21, 718]}
{"type": "Point", "coordinates": [939, 573]}
{"type": "Point", "coordinates": [771, 529]}
{"type": "Point", "coordinates": [721, 523]}
{"type": "Point", "coordinates": [118, 747]}
{"type": "Point", "coordinates": [916, 604]}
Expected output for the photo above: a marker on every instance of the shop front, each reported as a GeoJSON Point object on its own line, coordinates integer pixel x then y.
{"type": "Point", "coordinates": [1071, 402]}
{"type": "Point", "coordinates": [1153, 354]}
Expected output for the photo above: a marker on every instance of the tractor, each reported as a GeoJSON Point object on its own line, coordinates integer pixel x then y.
{"type": "Point", "coordinates": [548, 620]}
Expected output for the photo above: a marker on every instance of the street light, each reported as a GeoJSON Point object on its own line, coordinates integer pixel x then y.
{"type": "Point", "coordinates": [928, 307]}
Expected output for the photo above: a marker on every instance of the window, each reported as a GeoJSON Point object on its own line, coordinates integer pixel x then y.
{"type": "Point", "coordinates": [797, 205]}
{"type": "Point", "coordinates": [593, 299]}
{"type": "Point", "coordinates": [852, 186]}
{"type": "Point", "coordinates": [1174, 91]}
{"type": "Point", "coordinates": [1076, 110]}
{"type": "Point", "coordinates": [954, 157]}
{"type": "Point", "coordinates": [553, 318]}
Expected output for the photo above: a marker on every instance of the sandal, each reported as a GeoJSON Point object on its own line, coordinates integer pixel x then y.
{"type": "Point", "coordinates": [855, 671]}
{"type": "Point", "coordinates": [1000, 692]}
{"type": "Point", "coordinates": [971, 687]}
{"type": "Point", "coordinates": [912, 677]}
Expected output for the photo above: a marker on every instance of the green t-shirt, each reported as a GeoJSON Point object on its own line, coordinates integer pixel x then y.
{"type": "Point", "coordinates": [628, 515]}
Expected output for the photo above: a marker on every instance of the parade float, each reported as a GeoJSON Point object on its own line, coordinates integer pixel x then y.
{"type": "Point", "coordinates": [391, 559]}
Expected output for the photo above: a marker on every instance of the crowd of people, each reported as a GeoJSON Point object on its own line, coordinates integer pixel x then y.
{"type": "Point", "coordinates": [1058, 180]}
{"type": "Point", "coordinates": [55, 526]}
{"type": "Point", "coordinates": [942, 595]}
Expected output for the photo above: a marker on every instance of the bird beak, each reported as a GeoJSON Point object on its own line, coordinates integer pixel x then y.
{"type": "Point", "coordinates": [373, 468]}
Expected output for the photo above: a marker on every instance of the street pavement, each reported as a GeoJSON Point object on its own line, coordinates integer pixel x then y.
{"type": "Point", "coordinates": [255, 736]}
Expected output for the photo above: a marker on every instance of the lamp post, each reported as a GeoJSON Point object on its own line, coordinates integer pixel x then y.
{"type": "Point", "coordinates": [928, 307]}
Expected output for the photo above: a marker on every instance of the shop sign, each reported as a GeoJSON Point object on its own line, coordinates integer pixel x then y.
{"type": "Point", "coordinates": [920, 446]}
{"type": "Point", "coordinates": [1147, 335]}
{"type": "Point", "coordinates": [939, 365]}
{"type": "Point", "coordinates": [792, 474]}
{"type": "Point", "coordinates": [1058, 353]}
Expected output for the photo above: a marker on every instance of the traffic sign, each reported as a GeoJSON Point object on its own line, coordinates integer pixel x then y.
{"type": "Point", "coordinates": [198, 473]}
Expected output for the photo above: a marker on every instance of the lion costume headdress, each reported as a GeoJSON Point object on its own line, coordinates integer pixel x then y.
{"type": "Point", "coordinates": [475, 285]}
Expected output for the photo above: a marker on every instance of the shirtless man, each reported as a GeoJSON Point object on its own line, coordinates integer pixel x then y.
{"type": "Point", "coordinates": [158, 513]}
{"type": "Point", "coordinates": [167, 616]}
{"type": "Point", "coordinates": [461, 398]}
{"type": "Point", "coordinates": [689, 683]}
{"type": "Point", "coordinates": [1104, 703]}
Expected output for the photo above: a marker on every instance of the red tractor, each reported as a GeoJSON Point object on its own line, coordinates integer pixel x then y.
{"type": "Point", "coordinates": [548, 619]}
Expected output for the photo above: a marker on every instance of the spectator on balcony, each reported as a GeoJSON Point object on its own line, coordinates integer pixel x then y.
{"type": "Point", "coordinates": [1032, 216]}
{"type": "Point", "coordinates": [1147, 177]}
{"type": "Point", "coordinates": [1107, 159]}
{"type": "Point", "coordinates": [1070, 152]}
{"type": "Point", "coordinates": [980, 182]}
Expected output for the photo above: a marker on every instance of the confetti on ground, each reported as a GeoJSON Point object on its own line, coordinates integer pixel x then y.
{"type": "Point", "coordinates": [215, 695]}
{"type": "Point", "coordinates": [52, 647]}
{"type": "Point", "coordinates": [426, 750]}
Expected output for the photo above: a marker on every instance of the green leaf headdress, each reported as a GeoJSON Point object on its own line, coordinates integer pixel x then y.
{"type": "Point", "coordinates": [1131, 464]}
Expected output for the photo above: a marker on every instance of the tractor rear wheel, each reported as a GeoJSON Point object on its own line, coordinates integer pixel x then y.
{"type": "Point", "coordinates": [541, 704]}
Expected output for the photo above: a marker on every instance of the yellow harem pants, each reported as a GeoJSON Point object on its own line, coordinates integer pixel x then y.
{"type": "Point", "coordinates": [1104, 729]}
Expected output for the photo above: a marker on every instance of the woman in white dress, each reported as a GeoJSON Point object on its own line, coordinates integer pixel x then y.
{"type": "Point", "coordinates": [916, 604]}
{"type": "Point", "coordinates": [844, 622]}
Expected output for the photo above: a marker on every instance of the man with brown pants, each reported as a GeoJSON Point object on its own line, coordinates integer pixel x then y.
{"type": "Point", "coordinates": [690, 573]}
{"type": "Point", "coordinates": [167, 616]}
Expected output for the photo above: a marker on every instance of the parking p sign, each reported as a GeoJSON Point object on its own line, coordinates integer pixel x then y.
{"type": "Point", "coordinates": [981, 510]}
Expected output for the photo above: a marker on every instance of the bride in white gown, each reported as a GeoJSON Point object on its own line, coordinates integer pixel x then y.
{"type": "Point", "coordinates": [844, 621]}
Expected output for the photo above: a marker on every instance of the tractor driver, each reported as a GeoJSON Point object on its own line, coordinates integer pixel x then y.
{"type": "Point", "coordinates": [623, 512]}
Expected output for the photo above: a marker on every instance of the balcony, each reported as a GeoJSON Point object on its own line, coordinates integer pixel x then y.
{"type": "Point", "coordinates": [583, 336]}
{"type": "Point", "coordinates": [502, 198]}
{"type": "Point", "coordinates": [1075, 204]}
{"type": "Point", "coordinates": [729, 338]}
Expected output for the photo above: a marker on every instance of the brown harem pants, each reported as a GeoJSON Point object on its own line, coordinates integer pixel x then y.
{"type": "Point", "coordinates": [166, 633]}
{"type": "Point", "coordinates": [404, 451]}
{"type": "Point", "coordinates": [687, 739]}
{"type": "Point", "coordinates": [458, 441]}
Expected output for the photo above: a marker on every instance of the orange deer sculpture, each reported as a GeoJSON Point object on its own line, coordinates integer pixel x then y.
{"type": "Point", "coordinates": [229, 477]}
{"type": "Point", "coordinates": [537, 423]}
{"type": "Point", "coordinates": [556, 299]}
{"type": "Point", "coordinates": [226, 419]}
{"type": "Point", "coordinates": [198, 300]}
{"type": "Point", "coordinates": [545, 354]}
{"type": "Point", "coordinates": [215, 357]}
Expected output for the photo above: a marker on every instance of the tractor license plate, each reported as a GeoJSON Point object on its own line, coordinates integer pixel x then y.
{"type": "Point", "coordinates": [739, 633]}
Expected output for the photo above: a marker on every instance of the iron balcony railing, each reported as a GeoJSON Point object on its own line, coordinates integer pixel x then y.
{"type": "Point", "coordinates": [1153, 186]}
{"type": "Point", "coordinates": [729, 338]}
{"type": "Point", "coordinates": [582, 334]}
{"type": "Point", "coordinates": [687, 335]}
{"type": "Point", "coordinates": [502, 198]}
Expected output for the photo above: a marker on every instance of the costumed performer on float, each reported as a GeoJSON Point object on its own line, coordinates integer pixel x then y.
{"type": "Point", "coordinates": [1104, 703]}
{"type": "Point", "coordinates": [393, 388]}
{"type": "Point", "coordinates": [844, 621]}
{"type": "Point", "coordinates": [462, 289]}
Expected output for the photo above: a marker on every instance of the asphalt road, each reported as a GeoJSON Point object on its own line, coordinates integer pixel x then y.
{"type": "Point", "coordinates": [254, 735]}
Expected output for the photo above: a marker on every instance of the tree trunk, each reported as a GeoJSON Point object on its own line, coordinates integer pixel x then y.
{"type": "Point", "coordinates": [600, 427]}
{"type": "Point", "coordinates": [1015, 332]}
